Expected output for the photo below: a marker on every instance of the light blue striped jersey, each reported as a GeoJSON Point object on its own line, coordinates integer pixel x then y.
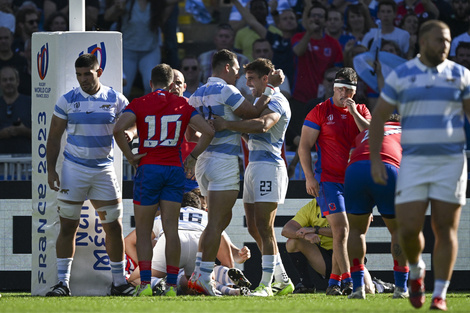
{"type": "Point", "coordinates": [219, 98]}
{"type": "Point", "coordinates": [90, 123]}
{"type": "Point", "coordinates": [267, 147]}
{"type": "Point", "coordinates": [191, 219]}
{"type": "Point", "coordinates": [430, 101]}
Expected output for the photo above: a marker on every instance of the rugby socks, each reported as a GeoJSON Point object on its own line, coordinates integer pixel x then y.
{"type": "Point", "coordinates": [172, 275]}
{"type": "Point", "coordinates": [145, 272]}
{"type": "Point", "coordinates": [64, 268]}
{"type": "Point", "coordinates": [225, 290]}
{"type": "Point", "coordinates": [401, 275]}
{"type": "Point", "coordinates": [267, 263]}
{"type": "Point", "coordinates": [440, 288]}
{"type": "Point", "coordinates": [280, 274]}
{"type": "Point", "coordinates": [346, 277]}
{"type": "Point", "coordinates": [221, 275]}
{"type": "Point", "coordinates": [334, 280]}
{"type": "Point", "coordinates": [357, 274]}
{"type": "Point", "coordinates": [417, 270]}
{"type": "Point", "coordinates": [118, 272]}
{"type": "Point", "coordinates": [301, 265]}
{"type": "Point", "coordinates": [206, 270]}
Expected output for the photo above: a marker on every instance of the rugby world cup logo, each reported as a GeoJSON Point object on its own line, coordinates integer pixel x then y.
{"type": "Point", "coordinates": [43, 61]}
{"type": "Point", "coordinates": [99, 51]}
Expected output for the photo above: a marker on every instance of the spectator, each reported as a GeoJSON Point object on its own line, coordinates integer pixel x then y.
{"type": "Point", "coordinates": [335, 27]}
{"type": "Point", "coordinates": [7, 18]}
{"type": "Point", "coordinates": [192, 74]}
{"type": "Point", "coordinates": [410, 23]}
{"type": "Point", "coordinates": [465, 37]}
{"type": "Point", "coordinates": [140, 26]}
{"type": "Point", "coordinates": [283, 56]}
{"type": "Point", "coordinates": [261, 49]}
{"type": "Point", "coordinates": [92, 9]}
{"type": "Point", "coordinates": [314, 53]}
{"type": "Point", "coordinates": [462, 54]}
{"type": "Point", "coordinates": [237, 21]}
{"type": "Point", "coordinates": [170, 42]}
{"type": "Point", "coordinates": [246, 36]}
{"type": "Point", "coordinates": [223, 39]}
{"type": "Point", "coordinates": [27, 22]}
{"type": "Point", "coordinates": [386, 13]}
{"type": "Point", "coordinates": [458, 21]}
{"type": "Point", "coordinates": [423, 9]}
{"type": "Point", "coordinates": [11, 58]}
{"type": "Point", "coordinates": [15, 114]}
{"type": "Point", "coordinates": [57, 22]}
{"type": "Point", "coordinates": [358, 21]}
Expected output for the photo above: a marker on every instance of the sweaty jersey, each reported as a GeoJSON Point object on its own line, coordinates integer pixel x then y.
{"type": "Point", "coordinates": [162, 119]}
{"type": "Point", "coordinates": [90, 122]}
{"type": "Point", "coordinates": [216, 97]}
{"type": "Point", "coordinates": [191, 219]}
{"type": "Point", "coordinates": [337, 132]}
{"type": "Point", "coordinates": [391, 148]}
{"type": "Point", "coordinates": [310, 215]}
{"type": "Point", "coordinates": [267, 147]}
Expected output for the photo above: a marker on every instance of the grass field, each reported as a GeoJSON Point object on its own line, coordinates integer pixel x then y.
{"type": "Point", "coordinates": [23, 302]}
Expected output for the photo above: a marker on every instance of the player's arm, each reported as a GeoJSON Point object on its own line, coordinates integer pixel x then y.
{"type": "Point", "coordinates": [381, 114]}
{"type": "Point", "coordinates": [126, 121]}
{"type": "Point", "coordinates": [247, 110]}
{"type": "Point", "coordinates": [224, 255]}
{"type": "Point", "coordinates": [308, 138]}
{"type": "Point", "coordinates": [261, 124]}
{"type": "Point", "coordinates": [290, 229]}
{"type": "Point", "coordinates": [207, 133]}
{"type": "Point", "coordinates": [191, 135]}
{"type": "Point", "coordinates": [56, 131]}
{"type": "Point", "coordinates": [466, 107]}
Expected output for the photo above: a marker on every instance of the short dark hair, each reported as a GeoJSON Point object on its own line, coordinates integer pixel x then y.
{"type": "Point", "coordinates": [387, 2]}
{"type": "Point", "coordinates": [87, 60]}
{"type": "Point", "coordinates": [347, 73]}
{"type": "Point", "coordinates": [318, 5]}
{"type": "Point", "coordinates": [162, 75]}
{"type": "Point", "coordinates": [50, 19]}
{"type": "Point", "coordinates": [222, 57]}
{"type": "Point", "coordinates": [260, 66]}
{"type": "Point", "coordinates": [191, 199]}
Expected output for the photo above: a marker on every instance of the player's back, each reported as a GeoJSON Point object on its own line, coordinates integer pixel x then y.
{"type": "Point", "coordinates": [162, 119]}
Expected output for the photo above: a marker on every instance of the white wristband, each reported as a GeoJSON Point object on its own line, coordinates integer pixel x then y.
{"type": "Point", "coordinates": [269, 91]}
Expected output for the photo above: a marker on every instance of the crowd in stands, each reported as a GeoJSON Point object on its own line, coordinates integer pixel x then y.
{"type": "Point", "coordinates": [304, 38]}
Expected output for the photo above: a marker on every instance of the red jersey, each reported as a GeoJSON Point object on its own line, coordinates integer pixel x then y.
{"type": "Point", "coordinates": [310, 67]}
{"type": "Point", "coordinates": [391, 148]}
{"type": "Point", "coordinates": [162, 118]}
{"type": "Point", "coordinates": [337, 132]}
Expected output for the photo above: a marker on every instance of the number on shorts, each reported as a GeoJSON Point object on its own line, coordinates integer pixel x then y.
{"type": "Point", "coordinates": [265, 186]}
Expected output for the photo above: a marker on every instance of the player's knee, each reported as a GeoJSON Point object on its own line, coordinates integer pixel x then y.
{"type": "Point", "coordinates": [291, 245]}
{"type": "Point", "coordinates": [67, 210]}
{"type": "Point", "coordinates": [110, 213]}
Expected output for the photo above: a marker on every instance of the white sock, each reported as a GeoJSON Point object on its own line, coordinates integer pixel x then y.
{"type": "Point", "coordinates": [64, 268]}
{"type": "Point", "coordinates": [225, 290]}
{"type": "Point", "coordinates": [267, 264]}
{"type": "Point", "coordinates": [118, 270]}
{"type": "Point", "coordinates": [280, 274]}
{"type": "Point", "coordinates": [221, 276]}
{"type": "Point", "coordinates": [417, 270]}
{"type": "Point", "coordinates": [206, 270]}
{"type": "Point", "coordinates": [197, 267]}
{"type": "Point", "coordinates": [440, 288]}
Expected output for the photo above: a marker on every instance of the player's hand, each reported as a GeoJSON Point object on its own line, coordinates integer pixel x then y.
{"type": "Point", "coordinates": [218, 123]}
{"type": "Point", "coordinates": [350, 104]}
{"type": "Point", "coordinates": [189, 167]}
{"type": "Point", "coordinates": [313, 187]}
{"type": "Point", "coordinates": [129, 135]}
{"type": "Point", "coordinates": [134, 160]}
{"type": "Point", "coordinates": [53, 180]}
{"type": "Point", "coordinates": [301, 232]}
{"type": "Point", "coordinates": [276, 77]}
{"type": "Point", "coordinates": [379, 174]}
{"type": "Point", "coordinates": [244, 254]}
{"type": "Point", "coordinates": [312, 238]}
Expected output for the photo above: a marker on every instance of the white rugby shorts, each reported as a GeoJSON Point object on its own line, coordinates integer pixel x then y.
{"type": "Point", "coordinates": [265, 182]}
{"type": "Point", "coordinates": [217, 172]}
{"type": "Point", "coordinates": [78, 183]}
{"type": "Point", "coordinates": [189, 243]}
{"type": "Point", "coordinates": [440, 178]}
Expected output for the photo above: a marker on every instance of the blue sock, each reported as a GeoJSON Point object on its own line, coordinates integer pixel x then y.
{"type": "Point", "coordinates": [334, 280]}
